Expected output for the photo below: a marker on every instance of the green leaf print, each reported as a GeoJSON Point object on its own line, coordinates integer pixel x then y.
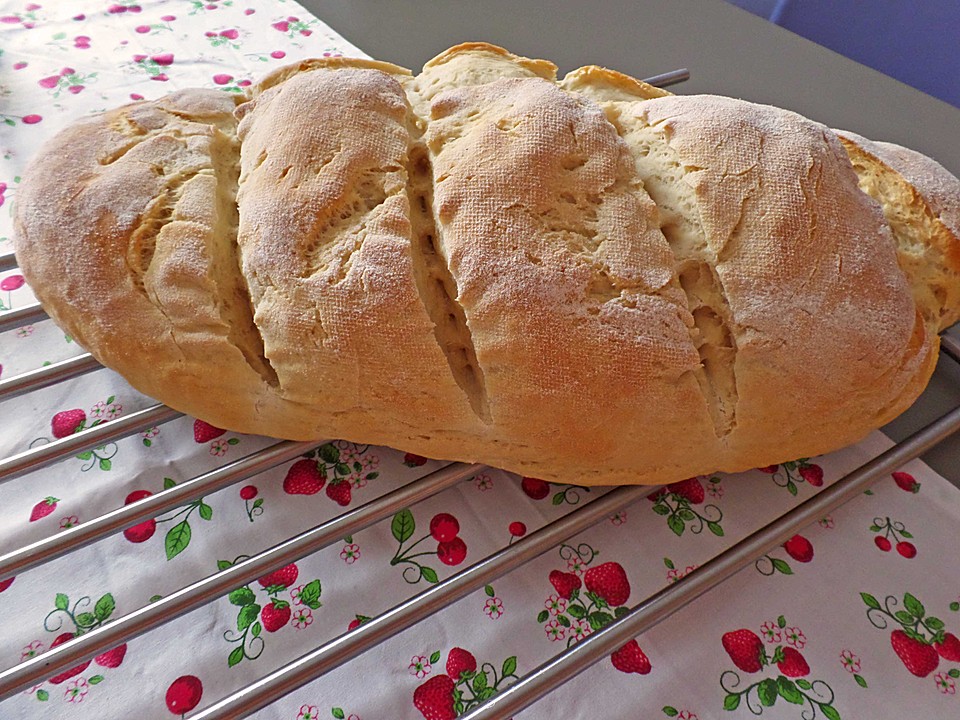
{"type": "Point", "coordinates": [104, 607]}
{"type": "Point", "coordinates": [403, 525]}
{"type": "Point", "coordinates": [177, 539]}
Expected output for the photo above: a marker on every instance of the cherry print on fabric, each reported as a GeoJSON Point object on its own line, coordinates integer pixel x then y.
{"type": "Point", "coordinates": [251, 503]}
{"type": "Point", "coordinates": [180, 533]}
{"type": "Point", "coordinates": [444, 530]}
{"type": "Point", "coordinates": [799, 548]}
{"type": "Point", "coordinates": [10, 283]}
{"type": "Point", "coordinates": [893, 534]}
{"type": "Point", "coordinates": [537, 489]}
{"type": "Point", "coordinates": [792, 474]}
{"type": "Point", "coordinates": [184, 694]}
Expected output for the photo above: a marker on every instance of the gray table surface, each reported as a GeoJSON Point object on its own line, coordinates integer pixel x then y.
{"type": "Point", "coordinates": [728, 51]}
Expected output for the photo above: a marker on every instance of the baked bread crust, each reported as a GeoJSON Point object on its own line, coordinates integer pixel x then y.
{"type": "Point", "coordinates": [586, 281]}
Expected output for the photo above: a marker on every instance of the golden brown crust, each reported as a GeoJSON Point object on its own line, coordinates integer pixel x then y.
{"type": "Point", "coordinates": [921, 201]}
{"type": "Point", "coordinates": [602, 84]}
{"type": "Point", "coordinates": [589, 281]}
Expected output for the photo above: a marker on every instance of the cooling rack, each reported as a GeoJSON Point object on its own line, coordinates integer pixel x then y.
{"type": "Point", "coordinates": [532, 686]}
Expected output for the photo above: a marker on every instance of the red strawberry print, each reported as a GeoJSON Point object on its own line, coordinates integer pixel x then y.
{"type": "Point", "coordinates": [631, 659]}
{"type": "Point", "coordinates": [163, 59]}
{"type": "Point", "coordinates": [769, 469]}
{"type": "Point", "coordinates": [140, 532]}
{"type": "Point", "coordinates": [43, 508]}
{"type": "Point", "coordinates": [609, 581]}
{"type": "Point", "coordinates": [283, 578]}
{"type": "Point", "coordinates": [691, 489]}
{"type": "Point", "coordinates": [564, 583]}
{"type": "Point", "coordinates": [793, 665]}
{"type": "Point", "coordinates": [410, 460]}
{"type": "Point", "coordinates": [357, 621]}
{"type": "Point", "coordinates": [460, 661]}
{"type": "Point", "coordinates": [452, 552]}
{"type": "Point", "coordinates": [303, 478]}
{"type": "Point", "coordinates": [907, 549]}
{"type": "Point", "coordinates": [67, 674]}
{"type": "Point", "coordinates": [275, 615]}
{"type": "Point", "coordinates": [67, 422]}
{"type": "Point", "coordinates": [906, 481]}
{"type": "Point", "coordinates": [918, 657]}
{"type": "Point", "coordinates": [4, 584]}
{"type": "Point", "coordinates": [949, 649]}
{"type": "Point", "coordinates": [534, 488]}
{"type": "Point", "coordinates": [444, 527]}
{"type": "Point", "coordinates": [799, 548]}
{"type": "Point", "coordinates": [813, 474]}
{"type": "Point", "coordinates": [205, 432]}
{"type": "Point", "coordinates": [184, 694]}
{"type": "Point", "coordinates": [434, 698]}
{"type": "Point", "coordinates": [281, 25]}
{"type": "Point", "coordinates": [340, 492]}
{"type": "Point", "coordinates": [248, 492]}
{"type": "Point", "coordinates": [111, 658]}
{"type": "Point", "coordinates": [745, 649]}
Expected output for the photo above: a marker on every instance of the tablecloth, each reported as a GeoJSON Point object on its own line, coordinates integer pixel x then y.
{"type": "Point", "coordinates": [856, 617]}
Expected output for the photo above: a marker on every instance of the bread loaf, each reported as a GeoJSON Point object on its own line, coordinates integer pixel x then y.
{"type": "Point", "coordinates": [588, 281]}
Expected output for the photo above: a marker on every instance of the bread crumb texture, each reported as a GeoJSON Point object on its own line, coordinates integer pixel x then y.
{"type": "Point", "coordinates": [587, 280]}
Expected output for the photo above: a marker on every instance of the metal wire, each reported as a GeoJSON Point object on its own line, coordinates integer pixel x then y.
{"type": "Point", "coordinates": [67, 541]}
{"type": "Point", "coordinates": [27, 315]}
{"type": "Point", "coordinates": [8, 261]}
{"type": "Point", "coordinates": [210, 588]}
{"type": "Point", "coordinates": [94, 437]}
{"type": "Point", "coordinates": [951, 346]}
{"type": "Point", "coordinates": [668, 78]}
{"type": "Point", "coordinates": [346, 647]}
{"type": "Point", "coordinates": [49, 375]}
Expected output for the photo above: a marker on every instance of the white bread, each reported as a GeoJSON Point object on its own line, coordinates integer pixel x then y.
{"type": "Point", "coordinates": [586, 281]}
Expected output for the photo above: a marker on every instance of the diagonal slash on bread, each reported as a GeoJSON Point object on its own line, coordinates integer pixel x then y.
{"type": "Point", "coordinates": [588, 281]}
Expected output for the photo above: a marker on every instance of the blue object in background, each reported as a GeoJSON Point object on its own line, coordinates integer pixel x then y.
{"type": "Point", "coordinates": [914, 41]}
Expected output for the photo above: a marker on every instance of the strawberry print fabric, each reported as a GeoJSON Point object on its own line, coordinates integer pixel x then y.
{"type": "Point", "coordinates": [857, 616]}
